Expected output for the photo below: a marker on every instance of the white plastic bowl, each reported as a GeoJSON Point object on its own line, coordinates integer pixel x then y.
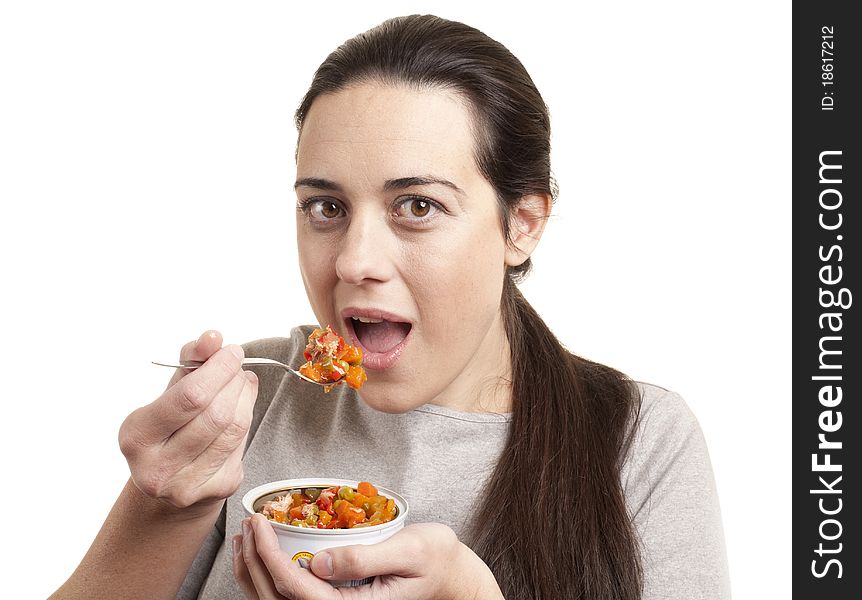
{"type": "Point", "coordinates": [302, 543]}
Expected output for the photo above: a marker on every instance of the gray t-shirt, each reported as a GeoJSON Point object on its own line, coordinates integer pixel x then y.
{"type": "Point", "coordinates": [439, 458]}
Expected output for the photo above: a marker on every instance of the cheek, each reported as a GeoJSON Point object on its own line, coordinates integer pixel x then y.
{"type": "Point", "coordinates": [458, 286]}
{"type": "Point", "coordinates": [317, 266]}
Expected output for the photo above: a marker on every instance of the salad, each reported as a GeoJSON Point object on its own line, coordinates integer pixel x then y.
{"type": "Point", "coordinates": [336, 507]}
{"type": "Point", "coordinates": [331, 360]}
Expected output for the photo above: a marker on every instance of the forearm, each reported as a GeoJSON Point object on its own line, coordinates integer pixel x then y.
{"type": "Point", "coordinates": [143, 550]}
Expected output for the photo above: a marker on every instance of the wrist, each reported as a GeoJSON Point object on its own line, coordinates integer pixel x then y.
{"type": "Point", "coordinates": [166, 512]}
{"type": "Point", "coordinates": [475, 581]}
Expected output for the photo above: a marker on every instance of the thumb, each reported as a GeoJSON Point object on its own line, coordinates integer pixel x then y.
{"type": "Point", "coordinates": [402, 555]}
{"type": "Point", "coordinates": [200, 349]}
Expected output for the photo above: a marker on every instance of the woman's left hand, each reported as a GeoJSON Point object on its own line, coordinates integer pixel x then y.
{"type": "Point", "coordinates": [420, 561]}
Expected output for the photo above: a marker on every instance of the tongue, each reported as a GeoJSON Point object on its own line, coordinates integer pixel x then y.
{"type": "Point", "coordinates": [380, 337]}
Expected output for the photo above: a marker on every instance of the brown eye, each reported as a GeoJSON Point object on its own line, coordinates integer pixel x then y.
{"type": "Point", "coordinates": [322, 212]}
{"type": "Point", "coordinates": [329, 210]}
{"type": "Point", "coordinates": [416, 211]}
{"type": "Point", "coordinates": [419, 208]}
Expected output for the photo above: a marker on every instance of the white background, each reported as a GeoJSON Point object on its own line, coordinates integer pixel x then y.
{"type": "Point", "coordinates": [146, 164]}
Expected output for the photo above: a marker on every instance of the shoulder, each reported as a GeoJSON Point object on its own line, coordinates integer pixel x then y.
{"type": "Point", "coordinates": [671, 494]}
{"type": "Point", "coordinates": [664, 416]}
{"type": "Point", "coordinates": [667, 447]}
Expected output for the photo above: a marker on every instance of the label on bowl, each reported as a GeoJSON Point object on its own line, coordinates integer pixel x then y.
{"type": "Point", "coordinates": [303, 558]}
{"type": "Point", "coordinates": [353, 583]}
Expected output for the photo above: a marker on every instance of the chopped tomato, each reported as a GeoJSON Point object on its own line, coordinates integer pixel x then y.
{"type": "Point", "coordinates": [324, 499]}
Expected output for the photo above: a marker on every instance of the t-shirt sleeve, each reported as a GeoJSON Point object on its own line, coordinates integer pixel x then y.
{"type": "Point", "coordinates": [671, 495]}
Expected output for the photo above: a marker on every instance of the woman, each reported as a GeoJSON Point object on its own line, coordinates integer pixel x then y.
{"type": "Point", "coordinates": [423, 186]}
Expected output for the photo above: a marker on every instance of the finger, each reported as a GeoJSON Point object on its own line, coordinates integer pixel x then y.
{"type": "Point", "coordinates": [200, 349]}
{"type": "Point", "coordinates": [189, 397]}
{"type": "Point", "coordinates": [289, 578]}
{"type": "Point", "coordinates": [240, 571]}
{"type": "Point", "coordinates": [215, 474]}
{"type": "Point", "coordinates": [225, 452]}
{"type": "Point", "coordinates": [258, 573]}
{"type": "Point", "coordinates": [204, 347]}
{"type": "Point", "coordinates": [403, 554]}
{"type": "Point", "coordinates": [220, 417]}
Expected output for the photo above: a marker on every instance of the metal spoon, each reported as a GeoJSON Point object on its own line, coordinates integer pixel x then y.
{"type": "Point", "coordinates": [246, 362]}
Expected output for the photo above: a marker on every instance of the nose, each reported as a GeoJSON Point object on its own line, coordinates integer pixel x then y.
{"type": "Point", "coordinates": [362, 253]}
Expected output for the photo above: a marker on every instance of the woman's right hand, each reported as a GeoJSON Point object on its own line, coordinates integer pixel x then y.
{"type": "Point", "coordinates": [186, 447]}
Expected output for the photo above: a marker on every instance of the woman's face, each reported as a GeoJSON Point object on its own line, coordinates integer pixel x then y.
{"type": "Point", "coordinates": [401, 246]}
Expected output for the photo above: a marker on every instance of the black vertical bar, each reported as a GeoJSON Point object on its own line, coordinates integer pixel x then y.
{"type": "Point", "coordinates": [827, 224]}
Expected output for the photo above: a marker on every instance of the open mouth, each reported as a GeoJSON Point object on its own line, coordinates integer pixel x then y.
{"type": "Point", "coordinates": [380, 336]}
{"type": "Point", "coordinates": [382, 339]}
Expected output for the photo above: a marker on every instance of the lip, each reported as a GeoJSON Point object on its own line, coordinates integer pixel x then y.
{"type": "Point", "coordinates": [376, 361]}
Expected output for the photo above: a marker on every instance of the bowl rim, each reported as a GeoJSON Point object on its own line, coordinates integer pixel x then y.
{"type": "Point", "coordinates": [265, 489]}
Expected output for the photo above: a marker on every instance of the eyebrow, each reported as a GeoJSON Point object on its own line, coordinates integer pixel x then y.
{"type": "Point", "coordinates": [390, 184]}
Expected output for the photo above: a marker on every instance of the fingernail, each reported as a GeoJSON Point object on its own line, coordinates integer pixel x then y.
{"type": "Point", "coordinates": [323, 564]}
{"type": "Point", "coordinates": [252, 378]}
{"type": "Point", "coordinates": [246, 528]}
{"type": "Point", "coordinates": [236, 351]}
{"type": "Point", "coordinates": [237, 547]}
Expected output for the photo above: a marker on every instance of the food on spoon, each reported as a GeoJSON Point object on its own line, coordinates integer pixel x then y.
{"type": "Point", "coordinates": [331, 360]}
{"type": "Point", "coordinates": [336, 507]}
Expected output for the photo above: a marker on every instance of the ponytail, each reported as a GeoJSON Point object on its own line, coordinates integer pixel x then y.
{"type": "Point", "coordinates": [553, 522]}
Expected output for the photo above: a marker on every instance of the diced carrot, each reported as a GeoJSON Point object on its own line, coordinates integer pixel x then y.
{"type": "Point", "coordinates": [311, 371]}
{"type": "Point", "coordinates": [355, 377]}
{"type": "Point", "coordinates": [315, 507]}
{"type": "Point", "coordinates": [354, 516]}
{"type": "Point", "coordinates": [351, 354]}
{"type": "Point", "coordinates": [366, 489]}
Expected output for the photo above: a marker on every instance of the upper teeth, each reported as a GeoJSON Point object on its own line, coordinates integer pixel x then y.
{"type": "Point", "coordinates": [367, 320]}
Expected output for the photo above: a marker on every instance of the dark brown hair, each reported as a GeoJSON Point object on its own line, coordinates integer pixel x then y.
{"type": "Point", "coordinates": [555, 525]}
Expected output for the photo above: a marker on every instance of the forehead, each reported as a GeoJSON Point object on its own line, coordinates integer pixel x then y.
{"type": "Point", "coordinates": [387, 131]}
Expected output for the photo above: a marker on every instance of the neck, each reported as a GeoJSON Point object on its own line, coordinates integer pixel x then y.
{"type": "Point", "coordinates": [484, 385]}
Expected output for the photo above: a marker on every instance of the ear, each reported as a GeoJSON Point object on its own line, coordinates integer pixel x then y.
{"type": "Point", "coordinates": [526, 224]}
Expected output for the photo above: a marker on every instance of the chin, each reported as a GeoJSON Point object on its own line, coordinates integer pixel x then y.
{"type": "Point", "coordinates": [388, 402]}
